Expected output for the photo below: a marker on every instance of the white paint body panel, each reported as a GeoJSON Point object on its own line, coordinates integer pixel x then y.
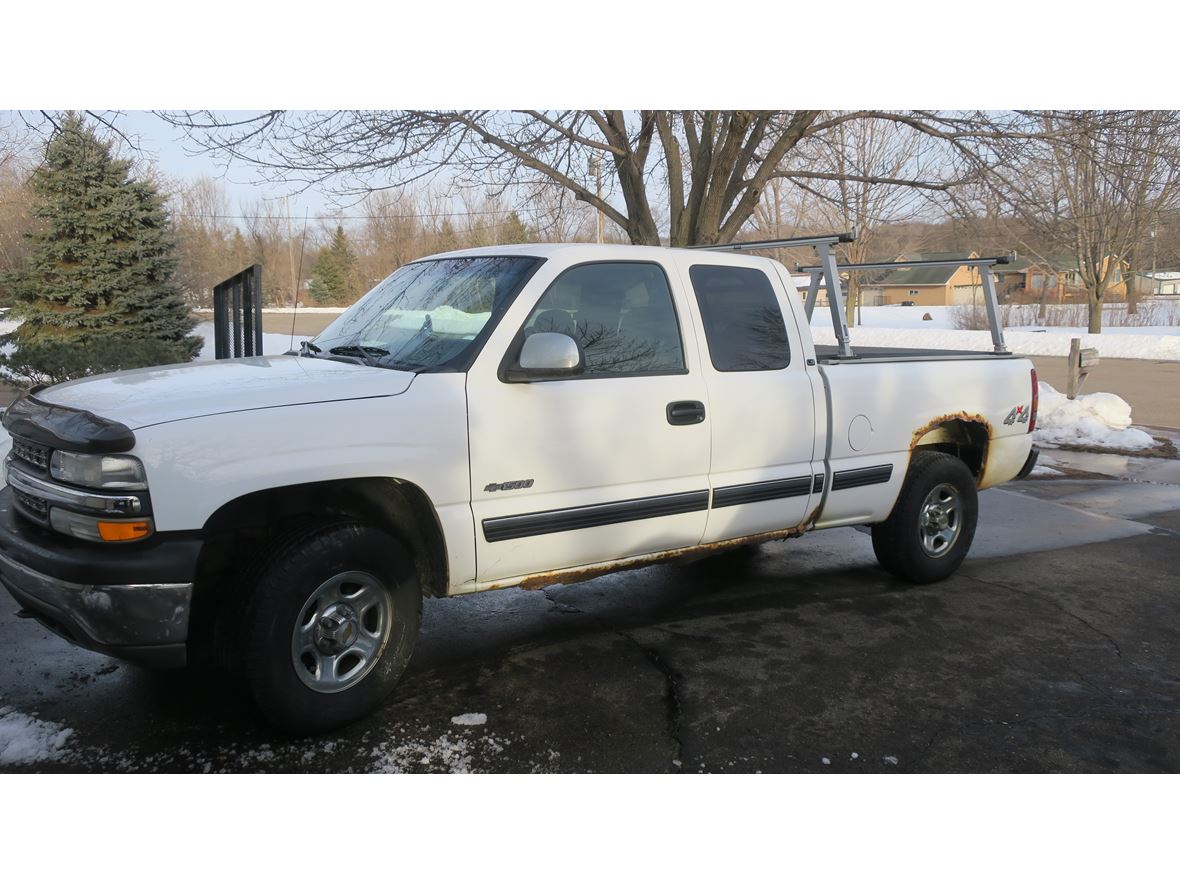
{"type": "Point", "coordinates": [209, 433]}
{"type": "Point", "coordinates": [141, 397]}
{"type": "Point", "coordinates": [583, 441]}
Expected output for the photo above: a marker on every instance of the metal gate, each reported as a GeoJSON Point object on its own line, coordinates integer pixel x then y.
{"type": "Point", "coordinates": [237, 308]}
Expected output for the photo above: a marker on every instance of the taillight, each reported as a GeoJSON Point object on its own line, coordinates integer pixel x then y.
{"type": "Point", "coordinates": [1032, 418]}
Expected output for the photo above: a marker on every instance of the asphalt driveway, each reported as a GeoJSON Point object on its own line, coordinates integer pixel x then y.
{"type": "Point", "coordinates": [1055, 648]}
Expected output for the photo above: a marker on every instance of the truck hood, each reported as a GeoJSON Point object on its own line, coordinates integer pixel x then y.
{"type": "Point", "coordinates": [142, 397]}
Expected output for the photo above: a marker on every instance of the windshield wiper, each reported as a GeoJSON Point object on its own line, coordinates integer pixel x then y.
{"type": "Point", "coordinates": [308, 349]}
{"type": "Point", "coordinates": [362, 350]}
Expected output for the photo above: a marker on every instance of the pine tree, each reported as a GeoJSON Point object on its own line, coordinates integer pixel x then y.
{"type": "Point", "coordinates": [514, 230]}
{"type": "Point", "coordinates": [100, 264]}
{"type": "Point", "coordinates": [333, 278]}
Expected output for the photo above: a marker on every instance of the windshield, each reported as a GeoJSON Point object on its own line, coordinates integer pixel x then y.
{"type": "Point", "coordinates": [427, 315]}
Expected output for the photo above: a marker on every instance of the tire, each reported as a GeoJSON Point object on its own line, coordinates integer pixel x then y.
{"type": "Point", "coordinates": [330, 626]}
{"type": "Point", "coordinates": [930, 530]}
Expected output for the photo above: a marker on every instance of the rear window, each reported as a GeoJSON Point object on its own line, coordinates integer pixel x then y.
{"type": "Point", "coordinates": [744, 326]}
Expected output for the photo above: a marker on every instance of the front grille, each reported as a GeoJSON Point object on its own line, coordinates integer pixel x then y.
{"type": "Point", "coordinates": [31, 453]}
{"type": "Point", "coordinates": [37, 508]}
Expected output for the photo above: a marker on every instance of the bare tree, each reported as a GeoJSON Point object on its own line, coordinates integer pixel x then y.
{"type": "Point", "coordinates": [205, 235]}
{"type": "Point", "coordinates": [866, 155]}
{"type": "Point", "coordinates": [708, 169]}
{"type": "Point", "coordinates": [16, 200]}
{"type": "Point", "coordinates": [1089, 183]}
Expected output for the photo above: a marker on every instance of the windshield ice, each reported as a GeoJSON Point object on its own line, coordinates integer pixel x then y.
{"type": "Point", "coordinates": [426, 315]}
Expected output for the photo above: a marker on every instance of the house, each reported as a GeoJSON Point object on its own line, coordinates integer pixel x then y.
{"type": "Point", "coordinates": [1163, 282]}
{"type": "Point", "coordinates": [926, 286]}
{"type": "Point", "coordinates": [1057, 278]}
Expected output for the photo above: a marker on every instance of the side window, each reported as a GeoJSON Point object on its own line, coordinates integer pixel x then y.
{"type": "Point", "coordinates": [743, 323]}
{"type": "Point", "coordinates": [620, 312]}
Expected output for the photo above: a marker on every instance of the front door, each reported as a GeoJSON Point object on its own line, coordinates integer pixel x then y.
{"type": "Point", "coordinates": [597, 467]}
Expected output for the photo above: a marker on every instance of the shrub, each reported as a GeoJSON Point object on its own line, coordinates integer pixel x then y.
{"type": "Point", "coordinates": [53, 362]}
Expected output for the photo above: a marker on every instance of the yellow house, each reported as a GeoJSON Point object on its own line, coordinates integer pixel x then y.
{"type": "Point", "coordinates": [930, 286]}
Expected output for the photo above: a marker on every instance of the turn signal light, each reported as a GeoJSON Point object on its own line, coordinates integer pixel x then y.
{"type": "Point", "coordinates": [124, 531]}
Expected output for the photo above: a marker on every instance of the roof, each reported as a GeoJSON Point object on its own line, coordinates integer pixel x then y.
{"type": "Point", "coordinates": [1019, 264]}
{"type": "Point", "coordinates": [924, 276]}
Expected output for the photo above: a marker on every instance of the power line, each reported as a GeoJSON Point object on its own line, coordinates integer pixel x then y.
{"type": "Point", "coordinates": [346, 217]}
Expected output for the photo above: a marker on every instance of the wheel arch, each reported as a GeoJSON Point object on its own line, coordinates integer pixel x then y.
{"type": "Point", "coordinates": [240, 528]}
{"type": "Point", "coordinates": [967, 437]}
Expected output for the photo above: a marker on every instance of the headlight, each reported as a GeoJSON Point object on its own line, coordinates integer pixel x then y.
{"type": "Point", "coordinates": [98, 471]}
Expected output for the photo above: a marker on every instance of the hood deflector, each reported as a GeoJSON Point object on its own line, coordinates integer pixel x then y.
{"type": "Point", "coordinates": [63, 427]}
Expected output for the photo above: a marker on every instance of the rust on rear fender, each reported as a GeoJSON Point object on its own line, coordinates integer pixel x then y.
{"type": "Point", "coordinates": [966, 418]}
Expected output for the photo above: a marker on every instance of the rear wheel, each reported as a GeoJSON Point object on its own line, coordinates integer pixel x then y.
{"type": "Point", "coordinates": [330, 626]}
{"type": "Point", "coordinates": [930, 530]}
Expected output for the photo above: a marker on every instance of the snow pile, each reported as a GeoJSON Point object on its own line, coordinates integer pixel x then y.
{"type": "Point", "coordinates": [26, 739]}
{"type": "Point", "coordinates": [470, 719]}
{"type": "Point", "coordinates": [1098, 420]}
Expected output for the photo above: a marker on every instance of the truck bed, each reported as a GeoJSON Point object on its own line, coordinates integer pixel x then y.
{"type": "Point", "coordinates": [826, 353]}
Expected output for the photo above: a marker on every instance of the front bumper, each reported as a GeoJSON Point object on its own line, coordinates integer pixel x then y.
{"type": "Point", "coordinates": [130, 601]}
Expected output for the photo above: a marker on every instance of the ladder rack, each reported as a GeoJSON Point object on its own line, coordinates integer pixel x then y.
{"type": "Point", "coordinates": [985, 275]}
{"type": "Point", "coordinates": [828, 272]}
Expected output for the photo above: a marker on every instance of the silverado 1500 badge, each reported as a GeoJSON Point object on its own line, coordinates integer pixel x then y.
{"type": "Point", "coordinates": [507, 486]}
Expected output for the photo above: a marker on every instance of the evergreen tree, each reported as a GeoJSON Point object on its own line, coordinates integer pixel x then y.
{"type": "Point", "coordinates": [100, 264]}
{"type": "Point", "coordinates": [514, 230]}
{"type": "Point", "coordinates": [333, 278]}
{"type": "Point", "coordinates": [446, 237]}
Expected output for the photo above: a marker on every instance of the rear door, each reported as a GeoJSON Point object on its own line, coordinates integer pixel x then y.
{"type": "Point", "coordinates": [607, 465]}
{"type": "Point", "coordinates": [764, 472]}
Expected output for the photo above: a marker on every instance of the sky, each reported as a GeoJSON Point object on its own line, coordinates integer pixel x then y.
{"type": "Point", "coordinates": [173, 155]}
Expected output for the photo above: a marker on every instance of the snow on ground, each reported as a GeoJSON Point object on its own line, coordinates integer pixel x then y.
{"type": "Point", "coordinates": [1099, 420]}
{"type": "Point", "coordinates": [1045, 470]}
{"type": "Point", "coordinates": [273, 343]}
{"type": "Point", "coordinates": [470, 719]}
{"type": "Point", "coordinates": [26, 739]}
{"type": "Point", "coordinates": [302, 309]}
{"type": "Point", "coordinates": [287, 310]}
{"type": "Point", "coordinates": [896, 326]}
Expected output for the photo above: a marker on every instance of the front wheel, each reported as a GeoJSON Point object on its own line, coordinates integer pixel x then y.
{"type": "Point", "coordinates": [330, 626]}
{"type": "Point", "coordinates": [930, 530]}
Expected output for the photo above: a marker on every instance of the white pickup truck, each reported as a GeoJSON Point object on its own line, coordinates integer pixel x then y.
{"type": "Point", "coordinates": [499, 417]}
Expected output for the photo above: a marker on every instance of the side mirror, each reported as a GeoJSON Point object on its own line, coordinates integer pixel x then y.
{"type": "Point", "coordinates": [547, 356]}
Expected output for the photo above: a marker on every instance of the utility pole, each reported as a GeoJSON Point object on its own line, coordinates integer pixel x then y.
{"type": "Point", "coordinates": [291, 257]}
{"type": "Point", "coordinates": [1154, 285]}
{"type": "Point", "coordinates": [596, 171]}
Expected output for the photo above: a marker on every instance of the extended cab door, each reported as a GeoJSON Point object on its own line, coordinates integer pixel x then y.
{"type": "Point", "coordinates": [607, 465]}
{"type": "Point", "coordinates": [765, 473]}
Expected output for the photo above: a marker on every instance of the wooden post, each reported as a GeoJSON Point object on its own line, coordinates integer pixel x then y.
{"type": "Point", "coordinates": [1081, 361]}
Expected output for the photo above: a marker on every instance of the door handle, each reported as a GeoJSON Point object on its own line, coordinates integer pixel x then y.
{"type": "Point", "coordinates": [686, 411]}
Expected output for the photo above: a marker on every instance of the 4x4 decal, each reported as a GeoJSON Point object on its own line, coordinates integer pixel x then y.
{"type": "Point", "coordinates": [1018, 415]}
